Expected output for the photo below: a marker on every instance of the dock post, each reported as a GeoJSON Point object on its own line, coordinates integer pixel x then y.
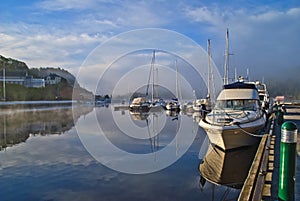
{"type": "Point", "coordinates": [287, 168]}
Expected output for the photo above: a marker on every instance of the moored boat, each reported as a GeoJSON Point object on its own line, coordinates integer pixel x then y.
{"type": "Point", "coordinates": [237, 117]}
{"type": "Point", "coordinates": [173, 105]}
{"type": "Point", "coordinates": [139, 104]}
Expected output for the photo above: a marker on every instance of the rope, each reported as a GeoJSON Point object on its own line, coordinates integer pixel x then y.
{"type": "Point", "coordinates": [252, 134]}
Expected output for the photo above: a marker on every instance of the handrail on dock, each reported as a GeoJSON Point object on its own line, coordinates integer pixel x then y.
{"type": "Point", "coordinates": [254, 184]}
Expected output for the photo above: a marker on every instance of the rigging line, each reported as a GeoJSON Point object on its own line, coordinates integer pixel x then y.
{"type": "Point", "coordinates": [252, 134]}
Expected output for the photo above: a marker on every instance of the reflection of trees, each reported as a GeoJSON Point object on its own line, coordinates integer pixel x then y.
{"type": "Point", "coordinates": [17, 125]}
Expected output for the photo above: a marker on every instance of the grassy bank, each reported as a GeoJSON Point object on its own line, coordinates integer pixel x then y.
{"type": "Point", "coordinates": [15, 92]}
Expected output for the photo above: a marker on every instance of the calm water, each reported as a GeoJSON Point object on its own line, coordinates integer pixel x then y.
{"type": "Point", "coordinates": [42, 157]}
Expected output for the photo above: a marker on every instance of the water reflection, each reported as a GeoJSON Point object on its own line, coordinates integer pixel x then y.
{"type": "Point", "coordinates": [228, 168]}
{"type": "Point", "coordinates": [16, 125]}
{"type": "Point", "coordinates": [61, 169]}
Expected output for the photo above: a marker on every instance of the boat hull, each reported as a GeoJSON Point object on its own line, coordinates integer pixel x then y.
{"type": "Point", "coordinates": [141, 108]}
{"type": "Point", "coordinates": [229, 137]}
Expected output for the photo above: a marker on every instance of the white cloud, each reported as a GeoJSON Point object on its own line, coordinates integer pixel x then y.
{"type": "Point", "coordinates": [204, 14]}
{"type": "Point", "coordinates": [59, 5]}
{"type": "Point", "coordinates": [263, 39]}
{"type": "Point", "coordinates": [64, 39]}
{"type": "Point", "coordinates": [39, 48]}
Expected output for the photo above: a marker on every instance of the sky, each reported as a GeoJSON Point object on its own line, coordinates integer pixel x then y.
{"type": "Point", "coordinates": [263, 35]}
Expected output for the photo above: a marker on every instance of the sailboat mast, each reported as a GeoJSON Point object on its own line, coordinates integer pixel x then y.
{"type": "Point", "coordinates": [209, 68]}
{"type": "Point", "coordinates": [226, 58]}
{"type": "Point", "coordinates": [152, 66]}
{"type": "Point", "coordinates": [235, 75]}
{"type": "Point", "coordinates": [156, 81]}
{"type": "Point", "coordinates": [177, 94]}
{"type": "Point", "coordinates": [4, 85]}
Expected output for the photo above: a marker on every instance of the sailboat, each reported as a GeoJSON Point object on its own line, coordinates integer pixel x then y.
{"type": "Point", "coordinates": [203, 105]}
{"type": "Point", "coordinates": [237, 118]}
{"type": "Point", "coordinates": [156, 103]}
{"type": "Point", "coordinates": [142, 103]}
{"type": "Point", "coordinates": [174, 103]}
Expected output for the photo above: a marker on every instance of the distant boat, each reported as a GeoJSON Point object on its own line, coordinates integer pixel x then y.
{"type": "Point", "coordinates": [263, 95]}
{"type": "Point", "coordinates": [143, 104]}
{"type": "Point", "coordinates": [198, 104]}
{"type": "Point", "coordinates": [174, 104]}
{"type": "Point", "coordinates": [156, 103]}
{"type": "Point", "coordinates": [236, 119]}
{"type": "Point", "coordinates": [187, 107]}
{"type": "Point", "coordinates": [139, 104]}
{"type": "Point", "coordinates": [204, 105]}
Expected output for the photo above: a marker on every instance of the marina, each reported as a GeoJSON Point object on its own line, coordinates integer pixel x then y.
{"type": "Point", "coordinates": [221, 147]}
{"type": "Point", "coordinates": [149, 100]}
{"type": "Point", "coordinates": [25, 159]}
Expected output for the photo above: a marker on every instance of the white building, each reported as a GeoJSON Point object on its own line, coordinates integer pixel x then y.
{"type": "Point", "coordinates": [52, 79]}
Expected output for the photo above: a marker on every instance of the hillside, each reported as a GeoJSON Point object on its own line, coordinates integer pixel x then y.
{"type": "Point", "coordinates": [61, 91]}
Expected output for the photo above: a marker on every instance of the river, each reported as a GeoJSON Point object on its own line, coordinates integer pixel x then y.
{"type": "Point", "coordinates": [87, 153]}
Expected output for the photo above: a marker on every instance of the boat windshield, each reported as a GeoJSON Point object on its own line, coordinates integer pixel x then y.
{"type": "Point", "coordinates": [237, 105]}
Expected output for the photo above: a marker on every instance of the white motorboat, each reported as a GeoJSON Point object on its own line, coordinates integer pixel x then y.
{"type": "Point", "coordinates": [139, 104]}
{"type": "Point", "coordinates": [197, 104]}
{"type": "Point", "coordinates": [237, 117]}
{"type": "Point", "coordinates": [263, 95]}
{"type": "Point", "coordinates": [173, 105]}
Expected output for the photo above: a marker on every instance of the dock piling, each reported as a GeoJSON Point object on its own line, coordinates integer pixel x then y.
{"type": "Point", "coordinates": [287, 168]}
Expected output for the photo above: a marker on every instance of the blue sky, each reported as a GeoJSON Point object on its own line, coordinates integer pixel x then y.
{"type": "Point", "coordinates": [264, 35]}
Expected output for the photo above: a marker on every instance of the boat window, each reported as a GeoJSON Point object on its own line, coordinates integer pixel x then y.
{"type": "Point", "coordinates": [237, 105]}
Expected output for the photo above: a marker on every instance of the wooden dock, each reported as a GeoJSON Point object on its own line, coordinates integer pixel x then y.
{"type": "Point", "coordinates": [263, 177]}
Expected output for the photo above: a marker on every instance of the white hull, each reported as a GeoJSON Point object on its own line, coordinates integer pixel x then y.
{"type": "Point", "coordinates": [139, 104]}
{"type": "Point", "coordinates": [232, 136]}
{"type": "Point", "coordinates": [172, 107]}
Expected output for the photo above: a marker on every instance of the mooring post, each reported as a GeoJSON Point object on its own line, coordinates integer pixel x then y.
{"type": "Point", "coordinates": [287, 169]}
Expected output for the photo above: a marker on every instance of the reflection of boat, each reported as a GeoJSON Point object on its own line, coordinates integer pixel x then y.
{"type": "Point", "coordinates": [136, 115]}
{"type": "Point", "coordinates": [187, 107]}
{"type": "Point", "coordinates": [172, 113]}
{"type": "Point", "coordinates": [236, 119]}
{"type": "Point", "coordinates": [139, 104]}
{"type": "Point", "coordinates": [227, 168]}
